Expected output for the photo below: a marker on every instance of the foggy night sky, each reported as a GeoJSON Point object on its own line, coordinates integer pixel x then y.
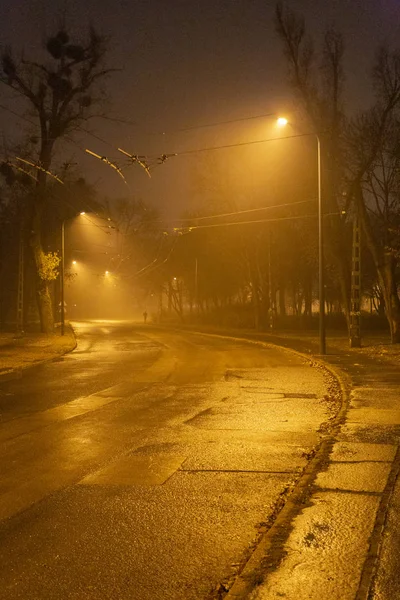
{"type": "Point", "coordinates": [188, 63]}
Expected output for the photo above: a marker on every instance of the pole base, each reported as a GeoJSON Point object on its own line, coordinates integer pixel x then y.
{"type": "Point", "coordinates": [355, 342]}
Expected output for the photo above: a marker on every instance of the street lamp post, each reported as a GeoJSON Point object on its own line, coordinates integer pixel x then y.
{"type": "Point", "coordinates": [321, 270]}
{"type": "Point", "coordinates": [62, 275]}
{"type": "Point", "coordinates": [62, 307]}
{"type": "Point", "coordinates": [281, 122]}
{"type": "Point", "coordinates": [270, 295]}
{"type": "Point", "coordinates": [196, 285]}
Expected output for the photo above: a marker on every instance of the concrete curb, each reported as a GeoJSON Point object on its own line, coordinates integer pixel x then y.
{"type": "Point", "coordinates": [372, 559]}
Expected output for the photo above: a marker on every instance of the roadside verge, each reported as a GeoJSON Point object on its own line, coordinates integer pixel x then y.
{"type": "Point", "coordinates": [17, 355]}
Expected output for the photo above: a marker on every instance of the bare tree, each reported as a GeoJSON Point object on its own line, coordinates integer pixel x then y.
{"type": "Point", "coordinates": [351, 148]}
{"type": "Point", "coordinates": [378, 197]}
{"type": "Point", "coordinates": [61, 93]}
{"type": "Point", "coordinates": [319, 87]}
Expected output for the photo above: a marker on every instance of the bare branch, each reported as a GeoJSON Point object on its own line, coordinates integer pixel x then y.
{"type": "Point", "coordinates": [386, 76]}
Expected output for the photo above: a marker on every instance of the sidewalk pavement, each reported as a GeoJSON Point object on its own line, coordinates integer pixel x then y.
{"type": "Point", "coordinates": [20, 353]}
{"type": "Point", "coordinates": [337, 537]}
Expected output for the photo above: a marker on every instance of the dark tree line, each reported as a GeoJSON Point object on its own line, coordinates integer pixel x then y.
{"type": "Point", "coordinates": [234, 271]}
{"type": "Point", "coordinates": [60, 92]}
{"type": "Point", "coordinates": [273, 267]}
{"type": "Point", "coordinates": [358, 153]}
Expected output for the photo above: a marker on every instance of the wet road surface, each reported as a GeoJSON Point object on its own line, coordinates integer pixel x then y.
{"type": "Point", "coordinates": [146, 463]}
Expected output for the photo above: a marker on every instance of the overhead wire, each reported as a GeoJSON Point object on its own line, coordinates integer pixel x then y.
{"type": "Point", "coordinates": [20, 169]}
{"type": "Point", "coordinates": [57, 196]}
{"type": "Point", "coordinates": [273, 220]}
{"type": "Point", "coordinates": [239, 144]}
{"type": "Point", "coordinates": [189, 128]}
{"type": "Point", "coordinates": [243, 212]}
{"type": "Point", "coordinates": [156, 258]}
{"type": "Point", "coordinates": [67, 138]}
{"type": "Point", "coordinates": [137, 159]}
{"type": "Point", "coordinates": [150, 270]}
{"type": "Point", "coordinates": [115, 119]}
{"type": "Point", "coordinates": [226, 122]}
{"type": "Point", "coordinates": [110, 163]}
{"type": "Point", "coordinates": [134, 158]}
{"type": "Point", "coordinates": [18, 115]}
{"type": "Point", "coordinates": [23, 118]}
{"type": "Point", "coordinates": [95, 136]}
{"type": "Point", "coordinates": [105, 159]}
{"type": "Point", "coordinates": [143, 160]}
{"type": "Point", "coordinates": [40, 168]}
{"type": "Point", "coordinates": [164, 157]}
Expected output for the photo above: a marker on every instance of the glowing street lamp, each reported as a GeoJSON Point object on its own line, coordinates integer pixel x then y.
{"type": "Point", "coordinates": [62, 307]}
{"type": "Point", "coordinates": [74, 262]}
{"type": "Point", "coordinates": [281, 122]}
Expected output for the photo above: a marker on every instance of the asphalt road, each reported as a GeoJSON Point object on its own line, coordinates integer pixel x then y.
{"type": "Point", "coordinates": [147, 463]}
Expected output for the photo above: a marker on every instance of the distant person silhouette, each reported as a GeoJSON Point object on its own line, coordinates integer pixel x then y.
{"type": "Point", "coordinates": [145, 316]}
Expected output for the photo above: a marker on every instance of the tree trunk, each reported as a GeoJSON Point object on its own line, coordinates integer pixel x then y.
{"type": "Point", "coordinates": [255, 299]}
{"type": "Point", "coordinates": [256, 305]}
{"type": "Point", "coordinates": [169, 298]}
{"type": "Point", "coordinates": [345, 291]}
{"type": "Point", "coordinates": [392, 302]}
{"type": "Point", "coordinates": [384, 264]}
{"type": "Point", "coordinates": [282, 300]}
{"type": "Point", "coordinates": [308, 298]}
{"type": "Point", "coordinates": [341, 258]}
{"type": "Point", "coordinates": [45, 307]}
{"type": "Point", "coordinates": [42, 287]}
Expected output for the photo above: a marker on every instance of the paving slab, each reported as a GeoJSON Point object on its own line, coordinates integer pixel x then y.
{"type": "Point", "coordinates": [347, 451]}
{"type": "Point", "coordinates": [373, 415]}
{"type": "Point", "coordinates": [355, 476]}
{"type": "Point", "coordinates": [326, 551]}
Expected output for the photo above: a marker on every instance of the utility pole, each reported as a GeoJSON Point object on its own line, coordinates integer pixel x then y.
{"type": "Point", "coordinates": [20, 290]}
{"type": "Point", "coordinates": [270, 296]}
{"type": "Point", "coordinates": [62, 275]}
{"type": "Point", "coordinates": [355, 300]}
{"type": "Point", "coordinates": [321, 259]}
{"type": "Point", "coordinates": [196, 285]}
{"type": "Point", "coordinates": [169, 298]}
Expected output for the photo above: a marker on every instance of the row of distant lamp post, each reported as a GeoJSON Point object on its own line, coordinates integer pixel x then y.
{"type": "Point", "coordinates": [62, 272]}
{"type": "Point", "coordinates": [281, 122]}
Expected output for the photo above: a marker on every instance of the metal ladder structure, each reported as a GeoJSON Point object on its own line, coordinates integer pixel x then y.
{"type": "Point", "coordinates": [355, 300]}
{"type": "Point", "coordinates": [20, 289]}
